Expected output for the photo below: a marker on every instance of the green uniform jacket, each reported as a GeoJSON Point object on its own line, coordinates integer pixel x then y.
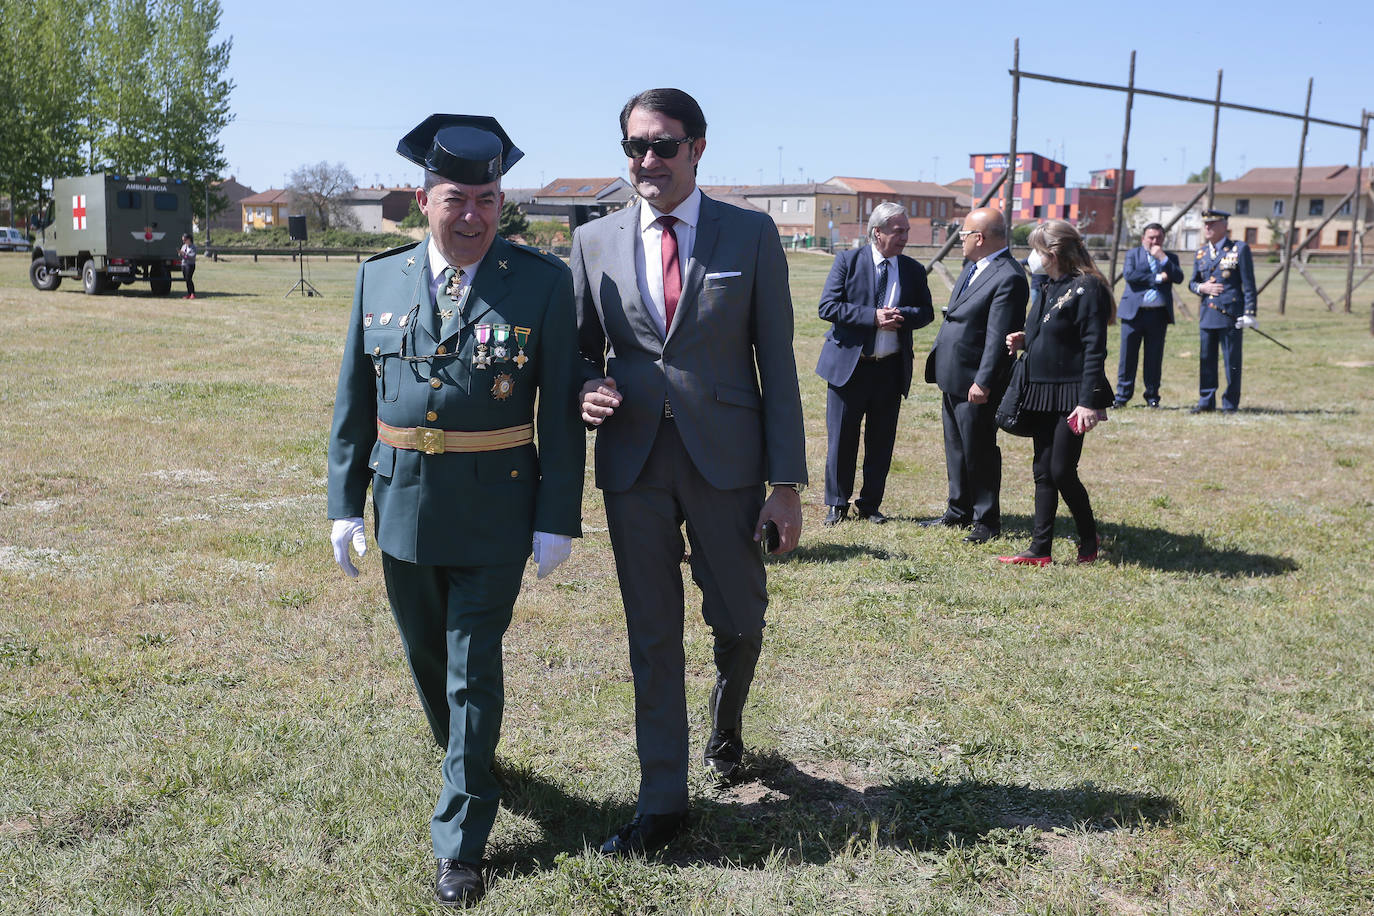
{"type": "Point", "coordinates": [460, 508]}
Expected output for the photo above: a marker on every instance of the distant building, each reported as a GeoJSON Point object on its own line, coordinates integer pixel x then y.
{"type": "Point", "coordinates": [932, 208]}
{"type": "Point", "coordinates": [265, 209]}
{"type": "Point", "coordinates": [802, 209]}
{"type": "Point", "coordinates": [1159, 203]}
{"type": "Point", "coordinates": [1041, 191]}
{"type": "Point", "coordinates": [602, 195]}
{"type": "Point", "coordinates": [1262, 194]}
{"type": "Point", "coordinates": [378, 209]}
{"type": "Point", "coordinates": [231, 217]}
{"type": "Point", "coordinates": [614, 191]}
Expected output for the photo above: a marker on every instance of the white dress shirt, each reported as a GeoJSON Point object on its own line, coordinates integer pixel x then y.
{"type": "Point", "coordinates": [982, 263]}
{"type": "Point", "coordinates": [649, 249]}
{"type": "Point", "coordinates": [885, 341]}
{"type": "Point", "coordinates": [438, 264]}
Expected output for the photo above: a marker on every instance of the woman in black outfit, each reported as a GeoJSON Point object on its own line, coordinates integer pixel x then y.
{"type": "Point", "coordinates": [1066, 344]}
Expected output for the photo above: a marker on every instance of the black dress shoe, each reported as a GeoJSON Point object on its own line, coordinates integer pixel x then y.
{"type": "Point", "coordinates": [980, 534]}
{"type": "Point", "coordinates": [458, 884]}
{"type": "Point", "coordinates": [1152, 402]}
{"type": "Point", "coordinates": [645, 835]}
{"type": "Point", "coordinates": [1118, 403]}
{"type": "Point", "coordinates": [836, 515]}
{"type": "Point", "coordinates": [945, 521]}
{"type": "Point", "coordinates": [875, 516]}
{"type": "Point", "coordinates": [1201, 408]}
{"type": "Point", "coordinates": [724, 752]}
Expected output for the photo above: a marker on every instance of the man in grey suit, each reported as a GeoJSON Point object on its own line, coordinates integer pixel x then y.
{"type": "Point", "coordinates": [969, 363]}
{"type": "Point", "coordinates": [679, 298]}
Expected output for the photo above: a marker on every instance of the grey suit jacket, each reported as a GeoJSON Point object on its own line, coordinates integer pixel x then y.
{"type": "Point", "coordinates": [726, 365]}
{"type": "Point", "coordinates": [971, 344]}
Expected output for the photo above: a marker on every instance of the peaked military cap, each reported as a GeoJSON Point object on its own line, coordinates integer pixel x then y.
{"type": "Point", "coordinates": [1211, 216]}
{"type": "Point", "coordinates": [470, 149]}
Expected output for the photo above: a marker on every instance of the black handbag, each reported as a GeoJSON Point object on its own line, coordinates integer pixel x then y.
{"type": "Point", "coordinates": [1011, 414]}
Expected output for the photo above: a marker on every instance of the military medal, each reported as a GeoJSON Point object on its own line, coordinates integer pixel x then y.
{"type": "Point", "coordinates": [502, 334]}
{"type": "Point", "coordinates": [1225, 274]}
{"type": "Point", "coordinates": [503, 386]}
{"type": "Point", "coordinates": [455, 288]}
{"type": "Point", "coordinates": [481, 359]}
{"type": "Point", "coordinates": [403, 320]}
{"type": "Point", "coordinates": [386, 318]}
{"type": "Point", "coordinates": [367, 320]}
{"type": "Point", "coordinates": [522, 337]}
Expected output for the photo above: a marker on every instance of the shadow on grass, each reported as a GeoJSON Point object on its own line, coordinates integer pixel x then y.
{"type": "Point", "coordinates": [1161, 549]}
{"type": "Point", "coordinates": [830, 553]}
{"type": "Point", "coordinates": [781, 810]}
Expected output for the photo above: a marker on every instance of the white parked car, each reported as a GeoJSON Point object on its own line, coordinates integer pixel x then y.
{"type": "Point", "coordinates": [13, 240]}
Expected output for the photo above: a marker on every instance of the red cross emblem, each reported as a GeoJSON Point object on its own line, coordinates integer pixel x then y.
{"type": "Point", "coordinates": [78, 211]}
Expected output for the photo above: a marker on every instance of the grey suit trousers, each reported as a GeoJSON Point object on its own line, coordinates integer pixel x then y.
{"type": "Point", "coordinates": [646, 536]}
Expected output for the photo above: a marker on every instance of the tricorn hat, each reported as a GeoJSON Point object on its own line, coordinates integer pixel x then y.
{"type": "Point", "coordinates": [1211, 216]}
{"type": "Point", "coordinates": [469, 149]}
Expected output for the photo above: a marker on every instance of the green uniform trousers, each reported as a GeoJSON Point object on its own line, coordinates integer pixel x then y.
{"type": "Point", "coordinates": [452, 619]}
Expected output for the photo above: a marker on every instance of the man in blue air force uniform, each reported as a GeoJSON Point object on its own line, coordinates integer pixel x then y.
{"type": "Point", "coordinates": [1224, 276]}
{"type": "Point", "coordinates": [448, 343]}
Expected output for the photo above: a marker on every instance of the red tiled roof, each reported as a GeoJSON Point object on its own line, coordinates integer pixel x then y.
{"type": "Point", "coordinates": [270, 196]}
{"type": "Point", "coordinates": [575, 187]}
{"type": "Point", "coordinates": [1316, 180]}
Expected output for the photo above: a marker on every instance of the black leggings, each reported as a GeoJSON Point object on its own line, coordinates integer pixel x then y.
{"type": "Point", "coordinates": [188, 272]}
{"type": "Point", "coordinates": [1057, 449]}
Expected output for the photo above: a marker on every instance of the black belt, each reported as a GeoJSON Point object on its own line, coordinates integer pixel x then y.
{"type": "Point", "coordinates": [875, 359]}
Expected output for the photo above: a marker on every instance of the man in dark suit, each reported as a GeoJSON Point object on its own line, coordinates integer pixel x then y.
{"type": "Point", "coordinates": [874, 298]}
{"type": "Point", "coordinates": [449, 343]}
{"type": "Point", "coordinates": [1224, 276]}
{"type": "Point", "coordinates": [969, 362]}
{"type": "Point", "coordinates": [1146, 311]}
{"type": "Point", "coordinates": [685, 326]}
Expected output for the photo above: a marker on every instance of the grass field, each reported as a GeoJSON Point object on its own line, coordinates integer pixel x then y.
{"type": "Point", "coordinates": [200, 714]}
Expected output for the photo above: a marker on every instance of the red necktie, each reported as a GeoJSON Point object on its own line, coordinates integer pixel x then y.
{"type": "Point", "coordinates": [672, 274]}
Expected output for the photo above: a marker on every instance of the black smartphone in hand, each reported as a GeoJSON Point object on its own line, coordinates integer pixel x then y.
{"type": "Point", "coordinates": [770, 539]}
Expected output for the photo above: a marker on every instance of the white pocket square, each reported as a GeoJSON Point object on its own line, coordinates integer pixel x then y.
{"type": "Point", "coordinates": [723, 275]}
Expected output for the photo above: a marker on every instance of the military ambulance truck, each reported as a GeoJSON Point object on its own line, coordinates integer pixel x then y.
{"type": "Point", "coordinates": [111, 230]}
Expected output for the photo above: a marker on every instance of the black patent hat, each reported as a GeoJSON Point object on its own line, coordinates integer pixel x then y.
{"type": "Point", "coordinates": [468, 149]}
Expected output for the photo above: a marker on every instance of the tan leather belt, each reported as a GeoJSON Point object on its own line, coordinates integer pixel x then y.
{"type": "Point", "coordinates": [437, 441]}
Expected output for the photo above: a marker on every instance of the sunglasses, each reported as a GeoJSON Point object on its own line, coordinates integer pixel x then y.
{"type": "Point", "coordinates": [663, 149]}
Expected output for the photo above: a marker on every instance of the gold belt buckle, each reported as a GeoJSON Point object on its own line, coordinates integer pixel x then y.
{"type": "Point", "coordinates": [429, 440]}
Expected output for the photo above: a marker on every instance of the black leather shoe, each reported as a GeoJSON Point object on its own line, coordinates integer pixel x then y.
{"type": "Point", "coordinates": [458, 884]}
{"type": "Point", "coordinates": [875, 517]}
{"type": "Point", "coordinates": [1228, 410]}
{"type": "Point", "coordinates": [1118, 403]}
{"type": "Point", "coordinates": [836, 515]}
{"type": "Point", "coordinates": [1201, 408]}
{"type": "Point", "coordinates": [724, 752]}
{"type": "Point", "coordinates": [645, 835]}
{"type": "Point", "coordinates": [980, 534]}
{"type": "Point", "coordinates": [945, 521]}
{"type": "Point", "coordinates": [1152, 402]}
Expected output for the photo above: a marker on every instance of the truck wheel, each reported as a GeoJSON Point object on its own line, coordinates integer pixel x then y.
{"type": "Point", "coordinates": [92, 280]}
{"type": "Point", "coordinates": [161, 285]}
{"type": "Point", "coordinates": [42, 277]}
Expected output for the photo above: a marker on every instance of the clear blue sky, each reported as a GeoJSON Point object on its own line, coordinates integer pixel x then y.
{"type": "Point", "coordinates": [904, 90]}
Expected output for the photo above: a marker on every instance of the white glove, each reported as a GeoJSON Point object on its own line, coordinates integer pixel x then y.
{"type": "Point", "coordinates": [348, 530]}
{"type": "Point", "coordinates": [1246, 321]}
{"type": "Point", "coordinates": [550, 550]}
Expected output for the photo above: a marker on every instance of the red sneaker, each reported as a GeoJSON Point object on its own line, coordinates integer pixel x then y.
{"type": "Point", "coordinates": [1022, 559]}
{"type": "Point", "coordinates": [1091, 557]}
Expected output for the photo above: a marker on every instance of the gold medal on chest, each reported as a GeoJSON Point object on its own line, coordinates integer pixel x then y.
{"type": "Point", "coordinates": [1226, 275]}
{"type": "Point", "coordinates": [503, 386]}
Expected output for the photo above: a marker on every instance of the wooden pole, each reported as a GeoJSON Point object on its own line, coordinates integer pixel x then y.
{"type": "Point", "coordinates": [1212, 162]}
{"type": "Point", "coordinates": [1293, 217]}
{"type": "Point", "coordinates": [1121, 176]}
{"type": "Point", "coordinates": [1011, 153]}
{"type": "Point", "coordinates": [1355, 214]}
{"type": "Point", "coordinates": [937, 261]}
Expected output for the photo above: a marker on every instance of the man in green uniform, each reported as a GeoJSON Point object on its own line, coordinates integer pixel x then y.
{"type": "Point", "coordinates": [448, 343]}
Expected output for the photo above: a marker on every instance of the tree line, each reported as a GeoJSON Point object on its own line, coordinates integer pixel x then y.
{"type": "Point", "coordinates": [128, 86]}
